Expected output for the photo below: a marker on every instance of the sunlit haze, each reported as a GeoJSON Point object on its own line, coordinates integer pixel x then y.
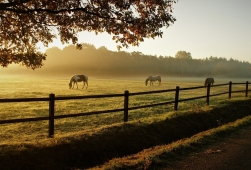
{"type": "Point", "coordinates": [216, 28]}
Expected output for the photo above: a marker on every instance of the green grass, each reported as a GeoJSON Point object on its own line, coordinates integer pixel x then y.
{"type": "Point", "coordinates": [94, 139]}
{"type": "Point", "coordinates": [22, 87]}
{"type": "Point", "coordinates": [152, 141]}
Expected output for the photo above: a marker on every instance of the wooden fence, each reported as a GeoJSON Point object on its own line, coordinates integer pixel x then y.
{"type": "Point", "coordinates": [126, 107]}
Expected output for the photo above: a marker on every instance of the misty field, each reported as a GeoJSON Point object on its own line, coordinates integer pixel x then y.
{"type": "Point", "coordinates": [23, 87]}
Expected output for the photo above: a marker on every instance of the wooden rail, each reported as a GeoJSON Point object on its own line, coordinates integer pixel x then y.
{"type": "Point", "coordinates": [52, 98]}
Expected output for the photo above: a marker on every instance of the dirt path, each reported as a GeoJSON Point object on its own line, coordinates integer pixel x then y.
{"type": "Point", "coordinates": [233, 153]}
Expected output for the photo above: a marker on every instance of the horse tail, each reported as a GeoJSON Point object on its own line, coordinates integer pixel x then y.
{"type": "Point", "coordinates": [86, 81]}
{"type": "Point", "coordinates": [159, 80]}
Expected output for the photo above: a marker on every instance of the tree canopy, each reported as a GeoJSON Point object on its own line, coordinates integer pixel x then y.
{"type": "Point", "coordinates": [135, 64]}
{"type": "Point", "coordinates": [24, 23]}
{"type": "Point", "coordinates": [183, 55]}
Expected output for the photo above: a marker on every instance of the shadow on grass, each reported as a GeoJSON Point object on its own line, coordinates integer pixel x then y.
{"type": "Point", "coordinates": [119, 141]}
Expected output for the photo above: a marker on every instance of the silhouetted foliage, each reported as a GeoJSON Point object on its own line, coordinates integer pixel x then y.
{"type": "Point", "coordinates": [24, 23]}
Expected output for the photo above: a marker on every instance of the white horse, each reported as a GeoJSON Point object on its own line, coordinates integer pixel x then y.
{"type": "Point", "coordinates": [78, 78]}
{"type": "Point", "coordinates": [209, 81]}
{"type": "Point", "coordinates": [152, 79]}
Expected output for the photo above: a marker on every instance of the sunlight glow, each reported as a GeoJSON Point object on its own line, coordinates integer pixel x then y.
{"type": "Point", "coordinates": [198, 30]}
{"type": "Point", "coordinates": [56, 43]}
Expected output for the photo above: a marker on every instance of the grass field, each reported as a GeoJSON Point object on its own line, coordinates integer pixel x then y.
{"type": "Point", "coordinates": [21, 87]}
{"type": "Point", "coordinates": [90, 141]}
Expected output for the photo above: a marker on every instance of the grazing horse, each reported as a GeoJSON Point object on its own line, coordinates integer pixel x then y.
{"type": "Point", "coordinates": [152, 79]}
{"type": "Point", "coordinates": [78, 78]}
{"type": "Point", "coordinates": [209, 81]}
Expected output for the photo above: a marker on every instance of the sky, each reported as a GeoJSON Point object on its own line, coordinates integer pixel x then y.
{"type": "Point", "coordinates": [218, 28]}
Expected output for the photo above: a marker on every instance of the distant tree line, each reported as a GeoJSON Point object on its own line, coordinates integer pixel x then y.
{"type": "Point", "coordinates": [103, 62]}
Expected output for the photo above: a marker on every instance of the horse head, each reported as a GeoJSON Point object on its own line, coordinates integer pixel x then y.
{"type": "Point", "coordinates": [147, 81]}
{"type": "Point", "coordinates": [70, 85]}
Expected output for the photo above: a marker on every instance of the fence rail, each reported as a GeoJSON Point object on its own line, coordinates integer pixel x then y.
{"type": "Point", "coordinates": [51, 117]}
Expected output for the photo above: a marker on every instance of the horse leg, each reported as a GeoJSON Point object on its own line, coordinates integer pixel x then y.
{"type": "Point", "coordinates": [84, 84]}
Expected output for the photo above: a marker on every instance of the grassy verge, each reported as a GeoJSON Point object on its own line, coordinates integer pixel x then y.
{"type": "Point", "coordinates": [164, 155]}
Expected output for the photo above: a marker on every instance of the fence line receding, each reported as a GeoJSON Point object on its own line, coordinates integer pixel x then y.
{"type": "Point", "coordinates": [52, 99]}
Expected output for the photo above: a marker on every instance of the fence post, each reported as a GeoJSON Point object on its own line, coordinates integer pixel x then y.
{"type": "Point", "coordinates": [51, 114]}
{"type": "Point", "coordinates": [246, 89]}
{"type": "Point", "coordinates": [208, 93]}
{"type": "Point", "coordinates": [126, 103]}
{"type": "Point", "coordinates": [230, 90]}
{"type": "Point", "coordinates": [176, 102]}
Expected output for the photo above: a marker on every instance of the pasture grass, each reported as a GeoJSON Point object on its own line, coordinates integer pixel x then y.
{"type": "Point", "coordinates": [41, 87]}
{"type": "Point", "coordinates": [103, 134]}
